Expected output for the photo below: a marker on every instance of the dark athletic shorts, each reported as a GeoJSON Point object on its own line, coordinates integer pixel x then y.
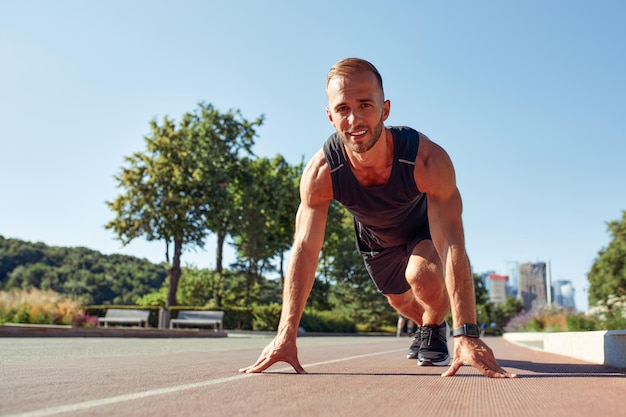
{"type": "Point", "coordinates": [387, 266]}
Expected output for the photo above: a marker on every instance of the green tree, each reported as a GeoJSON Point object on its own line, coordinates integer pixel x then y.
{"type": "Point", "coordinates": [223, 140]}
{"type": "Point", "coordinates": [80, 272]}
{"type": "Point", "coordinates": [481, 293]}
{"type": "Point", "coordinates": [499, 314]}
{"type": "Point", "coordinates": [266, 200]}
{"type": "Point", "coordinates": [198, 286]}
{"type": "Point", "coordinates": [160, 199]}
{"type": "Point", "coordinates": [607, 276]}
{"type": "Point", "coordinates": [174, 189]}
{"type": "Point", "coordinates": [226, 139]}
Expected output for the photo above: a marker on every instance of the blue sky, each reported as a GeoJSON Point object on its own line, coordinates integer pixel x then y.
{"type": "Point", "coordinates": [528, 98]}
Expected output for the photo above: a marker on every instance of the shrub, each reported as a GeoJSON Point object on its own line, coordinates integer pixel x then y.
{"type": "Point", "coordinates": [240, 318]}
{"type": "Point", "coordinates": [37, 307]}
{"type": "Point", "coordinates": [611, 315]}
{"type": "Point", "coordinates": [327, 321]}
{"type": "Point", "coordinates": [519, 323]}
{"type": "Point", "coordinates": [266, 317]}
{"type": "Point", "coordinates": [578, 323]}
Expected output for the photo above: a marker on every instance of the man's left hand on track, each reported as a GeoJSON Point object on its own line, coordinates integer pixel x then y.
{"type": "Point", "coordinates": [475, 352]}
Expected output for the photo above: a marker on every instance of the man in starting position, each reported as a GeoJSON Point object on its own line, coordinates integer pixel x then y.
{"type": "Point", "coordinates": [401, 189]}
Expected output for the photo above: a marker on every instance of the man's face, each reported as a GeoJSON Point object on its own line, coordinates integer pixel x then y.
{"type": "Point", "coordinates": [357, 109]}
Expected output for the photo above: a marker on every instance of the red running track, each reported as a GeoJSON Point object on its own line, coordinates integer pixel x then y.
{"type": "Point", "coordinates": [348, 376]}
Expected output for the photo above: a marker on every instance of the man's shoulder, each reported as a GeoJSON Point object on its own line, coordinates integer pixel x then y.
{"type": "Point", "coordinates": [403, 129]}
{"type": "Point", "coordinates": [317, 168]}
{"type": "Point", "coordinates": [433, 167]}
{"type": "Point", "coordinates": [316, 182]}
{"type": "Point", "coordinates": [404, 132]}
{"type": "Point", "coordinates": [317, 161]}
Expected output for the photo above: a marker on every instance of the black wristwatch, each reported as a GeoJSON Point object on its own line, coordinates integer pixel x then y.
{"type": "Point", "coordinates": [468, 329]}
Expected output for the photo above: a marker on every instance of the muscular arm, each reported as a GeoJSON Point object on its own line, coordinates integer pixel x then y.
{"type": "Point", "coordinates": [315, 195]}
{"type": "Point", "coordinates": [434, 175]}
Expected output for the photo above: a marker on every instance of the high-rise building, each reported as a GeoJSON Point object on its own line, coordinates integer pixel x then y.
{"type": "Point", "coordinates": [485, 279]}
{"type": "Point", "coordinates": [563, 293]}
{"type": "Point", "coordinates": [532, 285]}
{"type": "Point", "coordinates": [511, 270]}
{"type": "Point", "coordinates": [497, 288]}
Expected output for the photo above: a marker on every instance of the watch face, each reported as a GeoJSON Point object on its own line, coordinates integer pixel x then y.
{"type": "Point", "coordinates": [472, 330]}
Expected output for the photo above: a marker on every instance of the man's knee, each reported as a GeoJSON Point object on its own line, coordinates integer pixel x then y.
{"type": "Point", "coordinates": [423, 271]}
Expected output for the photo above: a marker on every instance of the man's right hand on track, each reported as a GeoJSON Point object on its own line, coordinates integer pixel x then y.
{"type": "Point", "coordinates": [276, 351]}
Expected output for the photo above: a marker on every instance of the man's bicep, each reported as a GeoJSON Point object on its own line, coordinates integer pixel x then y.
{"type": "Point", "coordinates": [315, 196]}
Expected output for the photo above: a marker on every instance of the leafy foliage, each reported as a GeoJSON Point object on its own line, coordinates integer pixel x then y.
{"type": "Point", "coordinates": [82, 273]}
{"type": "Point", "coordinates": [607, 277]}
{"type": "Point", "coordinates": [266, 199]}
{"type": "Point", "coordinates": [174, 191]}
{"type": "Point", "coordinates": [497, 316]}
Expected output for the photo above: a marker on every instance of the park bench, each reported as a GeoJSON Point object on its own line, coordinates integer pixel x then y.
{"type": "Point", "coordinates": [198, 318]}
{"type": "Point", "coordinates": [124, 316]}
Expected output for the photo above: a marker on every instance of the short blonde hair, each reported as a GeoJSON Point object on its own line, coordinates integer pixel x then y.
{"type": "Point", "coordinates": [351, 66]}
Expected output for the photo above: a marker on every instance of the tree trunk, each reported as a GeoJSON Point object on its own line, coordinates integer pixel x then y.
{"type": "Point", "coordinates": [282, 270]}
{"type": "Point", "coordinates": [217, 299]}
{"type": "Point", "coordinates": [174, 274]}
{"type": "Point", "coordinates": [221, 237]}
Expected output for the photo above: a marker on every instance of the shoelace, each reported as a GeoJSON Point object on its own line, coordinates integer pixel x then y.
{"type": "Point", "coordinates": [427, 332]}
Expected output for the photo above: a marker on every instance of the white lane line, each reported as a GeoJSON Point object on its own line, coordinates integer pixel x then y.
{"type": "Point", "coordinates": [160, 391]}
{"type": "Point", "coordinates": [344, 359]}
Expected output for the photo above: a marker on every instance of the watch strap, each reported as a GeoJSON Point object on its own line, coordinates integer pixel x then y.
{"type": "Point", "coordinates": [468, 329]}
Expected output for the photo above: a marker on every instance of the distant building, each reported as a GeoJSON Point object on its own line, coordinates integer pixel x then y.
{"type": "Point", "coordinates": [563, 293]}
{"type": "Point", "coordinates": [485, 279]}
{"type": "Point", "coordinates": [511, 270]}
{"type": "Point", "coordinates": [532, 285]}
{"type": "Point", "coordinates": [497, 288]}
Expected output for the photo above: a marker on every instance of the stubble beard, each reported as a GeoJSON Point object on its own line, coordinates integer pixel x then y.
{"type": "Point", "coordinates": [365, 146]}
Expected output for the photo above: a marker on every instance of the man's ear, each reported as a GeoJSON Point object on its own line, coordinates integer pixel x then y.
{"type": "Point", "coordinates": [329, 114]}
{"type": "Point", "coordinates": [386, 109]}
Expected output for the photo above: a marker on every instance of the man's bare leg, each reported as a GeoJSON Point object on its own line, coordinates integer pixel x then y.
{"type": "Point", "coordinates": [427, 303]}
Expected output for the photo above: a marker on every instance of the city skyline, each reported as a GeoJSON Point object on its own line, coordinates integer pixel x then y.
{"type": "Point", "coordinates": [536, 286]}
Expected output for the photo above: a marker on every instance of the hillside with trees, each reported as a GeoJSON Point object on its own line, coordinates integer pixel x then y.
{"type": "Point", "coordinates": [82, 273]}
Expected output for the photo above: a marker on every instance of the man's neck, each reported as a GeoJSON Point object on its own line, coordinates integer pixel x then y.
{"type": "Point", "coordinates": [372, 168]}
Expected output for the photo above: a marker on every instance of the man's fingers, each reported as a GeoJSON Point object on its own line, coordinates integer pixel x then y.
{"type": "Point", "coordinates": [501, 373]}
{"type": "Point", "coordinates": [489, 370]}
{"type": "Point", "coordinates": [454, 367]}
{"type": "Point", "coordinates": [262, 365]}
{"type": "Point", "coordinates": [505, 374]}
{"type": "Point", "coordinates": [298, 368]}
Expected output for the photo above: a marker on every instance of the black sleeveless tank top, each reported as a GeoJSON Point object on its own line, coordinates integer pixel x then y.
{"type": "Point", "coordinates": [387, 215]}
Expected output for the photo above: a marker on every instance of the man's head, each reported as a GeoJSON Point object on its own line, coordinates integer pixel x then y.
{"type": "Point", "coordinates": [356, 103]}
{"type": "Point", "coordinates": [350, 66]}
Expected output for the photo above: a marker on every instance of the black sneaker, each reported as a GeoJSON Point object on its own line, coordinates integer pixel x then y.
{"type": "Point", "coordinates": [415, 346]}
{"type": "Point", "coordinates": [433, 347]}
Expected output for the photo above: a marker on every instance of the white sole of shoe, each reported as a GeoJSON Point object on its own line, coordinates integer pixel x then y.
{"type": "Point", "coordinates": [444, 362]}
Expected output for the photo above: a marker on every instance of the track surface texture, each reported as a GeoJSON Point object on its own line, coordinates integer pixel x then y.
{"type": "Point", "coordinates": [347, 376]}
